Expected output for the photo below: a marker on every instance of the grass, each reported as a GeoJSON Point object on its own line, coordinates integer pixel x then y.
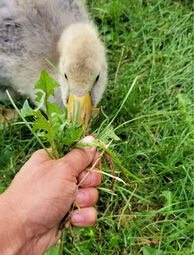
{"type": "Point", "coordinates": [151, 39]}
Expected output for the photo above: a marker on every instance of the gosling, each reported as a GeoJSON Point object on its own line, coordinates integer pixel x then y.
{"type": "Point", "coordinates": [63, 32]}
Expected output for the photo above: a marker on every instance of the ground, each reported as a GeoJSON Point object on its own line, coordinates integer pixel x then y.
{"type": "Point", "coordinates": [151, 40]}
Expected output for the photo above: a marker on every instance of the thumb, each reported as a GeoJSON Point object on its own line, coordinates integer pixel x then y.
{"type": "Point", "coordinates": [79, 158]}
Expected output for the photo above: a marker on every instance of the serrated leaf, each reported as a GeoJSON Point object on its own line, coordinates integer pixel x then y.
{"type": "Point", "coordinates": [53, 108]}
{"type": "Point", "coordinates": [40, 123]}
{"type": "Point", "coordinates": [46, 84]}
{"type": "Point", "coordinates": [26, 109]}
{"type": "Point", "coordinates": [41, 104]}
{"type": "Point", "coordinates": [72, 135]}
{"type": "Point", "coordinates": [109, 135]}
{"type": "Point", "coordinates": [39, 96]}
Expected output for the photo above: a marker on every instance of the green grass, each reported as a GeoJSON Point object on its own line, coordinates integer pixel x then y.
{"type": "Point", "coordinates": [151, 39]}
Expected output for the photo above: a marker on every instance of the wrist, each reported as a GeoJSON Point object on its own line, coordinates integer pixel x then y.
{"type": "Point", "coordinates": [12, 233]}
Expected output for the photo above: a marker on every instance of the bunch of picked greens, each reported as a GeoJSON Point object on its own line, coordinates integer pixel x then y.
{"type": "Point", "coordinates": [51, 126]}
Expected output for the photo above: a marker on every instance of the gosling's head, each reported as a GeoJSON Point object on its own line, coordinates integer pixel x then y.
{"type": "Point", "coordinates": [83, 66]}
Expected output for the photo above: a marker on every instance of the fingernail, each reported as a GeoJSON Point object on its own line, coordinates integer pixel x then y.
{"type": "Point", "coordinates": [87, 139]}
{"type": "Point", "coordinates": [77, 217]}
{"type": "Point", "coordinates": [81, 197]}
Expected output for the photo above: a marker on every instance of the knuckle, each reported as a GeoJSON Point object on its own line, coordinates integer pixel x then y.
{"type": "Point", "coordinates": [66, 168]}
{"type": "Point", "coordinates": [81, 154]}
{"type": "Point", "coordinates": [36, 153]}
{"type": "Point", "coordinates": [66, 164]}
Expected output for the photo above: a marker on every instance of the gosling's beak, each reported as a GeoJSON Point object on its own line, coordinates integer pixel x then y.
{"type": "Point", "coordinates": [79, 108]}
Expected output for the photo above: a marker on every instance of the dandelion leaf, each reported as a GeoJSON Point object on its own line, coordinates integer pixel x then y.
{"type": "Point", "coordinates": [46, 84]}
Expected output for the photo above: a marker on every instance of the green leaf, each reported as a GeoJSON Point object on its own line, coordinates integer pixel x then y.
{"type": "Point", "coordinates": [46, 84]}
{"type": "Point", "coordinates": [39, 96]}
{"type": "Point", "coordinates": [109, 135]}
{"type": "Point", "coordinates": [151, 251]}
{"type": "Point", "coordinates": [53, 108]}
{"type": "Point", "coordinates": [41, 100]}
{"type": "Point", "coordinates": [41, 122]}
{"type": "Point", "coordinates": [26, 109]}
{"type": "Point", "coordinates": [72, 135]}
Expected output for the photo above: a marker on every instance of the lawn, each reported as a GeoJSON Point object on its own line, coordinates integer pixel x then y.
{"type": "Point", "coordinates": [151, 40]}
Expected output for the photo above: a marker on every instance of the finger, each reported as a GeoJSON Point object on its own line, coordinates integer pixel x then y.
{"type": "Point", "coordinates": [93, 179]}
{"type": "Point", "coordinates": [79, 158]}
{"type": "Point", "coordinates": [41, 155]}
{"type": "Point", "coordinates": [87, 197]}
{"type": "Point", "coordinates": [96, 159]}
{"type": "Point", "coordinates": [86, 217]}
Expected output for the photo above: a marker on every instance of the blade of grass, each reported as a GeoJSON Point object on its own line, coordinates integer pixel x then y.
{"type": "Point", "coordinates": [77, 114]}
{"type": "Point", "coordinates": [120, 108]}
{"type": "Point", "coordinates": [110, 175]}
{"type": "Point", "coordinates": [73, 109]}
{"type": "Point", "coordinates": [146, 116]}
{"type": "Point", "coordinates": [107, 190]}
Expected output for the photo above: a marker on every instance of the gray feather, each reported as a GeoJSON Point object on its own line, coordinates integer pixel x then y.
{"type": "Point", "coordinates": [29, 32]}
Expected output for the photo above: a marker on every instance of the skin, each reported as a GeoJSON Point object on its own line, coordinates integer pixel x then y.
{"type": "Point", "coordinates": [40, 196]}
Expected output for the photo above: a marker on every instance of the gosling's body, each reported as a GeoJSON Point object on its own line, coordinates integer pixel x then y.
{"type": "Point", "coordinates": [32, 30]}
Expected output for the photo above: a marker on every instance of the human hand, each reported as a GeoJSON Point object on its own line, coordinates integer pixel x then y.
{"type": "Point", "coordinates": [40, 196]}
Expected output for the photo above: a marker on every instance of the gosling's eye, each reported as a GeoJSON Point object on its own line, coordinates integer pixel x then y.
{"type": "Point", "coordinates": [97, 78]}
{"type": "Point", "coordinates": [65, 76]}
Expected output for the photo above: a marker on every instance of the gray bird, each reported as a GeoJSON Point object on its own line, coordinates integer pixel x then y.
{"type": "Point", "coordinates": [62, 31]}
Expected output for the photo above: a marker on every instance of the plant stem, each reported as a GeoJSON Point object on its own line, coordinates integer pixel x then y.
{"type": "Point", "coordinates": [117, 161]}
{"type": "Point", "coordinates": [52, 141]}
{"type": "Point", "coordinates": [27, 124]}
